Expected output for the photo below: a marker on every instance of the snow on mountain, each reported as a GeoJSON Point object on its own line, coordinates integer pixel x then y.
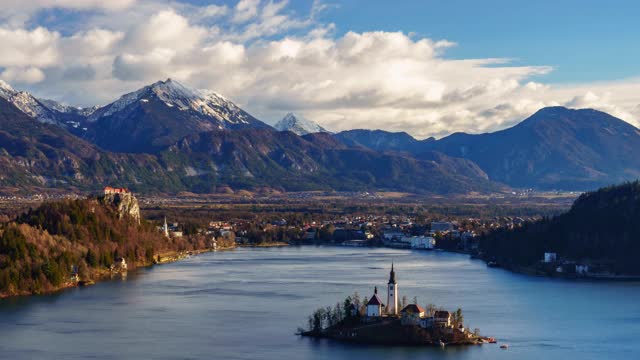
{"type": "Point", "coordinates": [173, 94]}
{"type": "Point", "coordinates": [26, 103]}
{"type": "Point", "coordinates": [298, 125]}
{"type": "Point", "coordinates": [43, 110]}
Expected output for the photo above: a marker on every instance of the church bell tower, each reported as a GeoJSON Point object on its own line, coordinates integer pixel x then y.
{"type": "Point", "coordinates": [392, 293]}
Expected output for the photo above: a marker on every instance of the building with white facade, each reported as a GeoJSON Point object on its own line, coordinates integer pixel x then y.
{"type": "Point", "coordinates": [375, 305]}
{"type": "Point", "coordinates": [392, 293]}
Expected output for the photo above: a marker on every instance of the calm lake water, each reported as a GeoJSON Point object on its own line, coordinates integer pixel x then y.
{"type": "Point", "coordinates": [247, 304]}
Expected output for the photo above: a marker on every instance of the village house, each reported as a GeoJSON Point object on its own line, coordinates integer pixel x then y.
{"type": "Point", "coordinates": [119, 264]}
{"type": "Point", "coordinates": [441, 227]}
{"type": "Point", "coordinates": [412, 314]}
{"type": "Point", "coordinates": [442, 318]}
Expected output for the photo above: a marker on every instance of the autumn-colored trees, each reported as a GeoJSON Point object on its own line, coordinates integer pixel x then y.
{"type": "Point", "coordinates": [41, 248]}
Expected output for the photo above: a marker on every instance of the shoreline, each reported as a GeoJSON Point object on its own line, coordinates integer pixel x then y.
{"type": "Point", "coordinates": [102, 275]}
{"type": "Point", "coordinates": [167, 257]}
{"type": "Point", "coordinates": [532, 271]}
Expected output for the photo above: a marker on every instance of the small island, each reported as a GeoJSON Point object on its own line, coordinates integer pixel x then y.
{"type": "Point", "coordinates": [372, 322]}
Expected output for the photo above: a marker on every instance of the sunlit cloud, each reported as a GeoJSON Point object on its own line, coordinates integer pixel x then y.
{"type": "Point", "coordinates": [272, 61]}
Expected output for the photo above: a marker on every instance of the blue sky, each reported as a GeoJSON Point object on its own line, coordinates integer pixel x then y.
{"type": "Point", "coordinates": [584, 40]}
{"type": "Point", "coordinates": [427, 67]}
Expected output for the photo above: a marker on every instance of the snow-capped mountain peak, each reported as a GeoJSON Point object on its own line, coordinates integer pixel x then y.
{"type": "Point", "coordinates": [298, 125]}
{"type": "Point", "coordinates": [26, 103]}
{"type": "Point", "coordinates": [4, 87]}
{"type": "Point", "coordinates": [43, 110]}
{"type": "Point", "coordinates": [175, 95]}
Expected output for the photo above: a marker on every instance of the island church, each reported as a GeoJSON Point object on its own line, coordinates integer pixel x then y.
{"type": "Point", "coordinates": [375, 307]}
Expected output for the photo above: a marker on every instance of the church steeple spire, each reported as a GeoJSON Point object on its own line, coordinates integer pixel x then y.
{"type": "Point", "coordinates": [392, 293]}
{"type": "Point", "coordinates": [392, 275]}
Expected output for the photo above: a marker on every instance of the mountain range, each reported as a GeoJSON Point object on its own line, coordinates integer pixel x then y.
{"type": "Point", "coordinates": [166, 137]}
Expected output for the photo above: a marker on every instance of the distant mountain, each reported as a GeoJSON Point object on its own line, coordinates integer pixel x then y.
{"type": "Point", "coordinates": [36, 155]}
{"type": "Point", "coordinates": [44, 111]}
{"type": "Point", "coordinates": [298, 125]}
{"type": "Point", "coordinates": [555, 148]}
{"type": "Point", "coordinates": [381, 140]}
{"type": "Point", "coordinates": [253, 158]}
{"type": "Point", "coordinates": [156, 116]}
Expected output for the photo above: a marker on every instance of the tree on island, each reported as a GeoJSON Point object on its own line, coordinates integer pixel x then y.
{"type": "Point", "coordinates": [458, 318]}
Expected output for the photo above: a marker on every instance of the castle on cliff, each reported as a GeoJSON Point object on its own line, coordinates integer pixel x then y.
{"type": "Point", "coordinates": [108, 190]}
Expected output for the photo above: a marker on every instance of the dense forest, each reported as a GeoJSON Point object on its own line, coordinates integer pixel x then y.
{"type": "Point", "coordinates": [601, 228]}
{"type": "Point", "coordinates": [41, 248]}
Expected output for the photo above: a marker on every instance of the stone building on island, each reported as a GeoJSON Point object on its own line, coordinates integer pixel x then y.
{"type": "Point", "coordinates": [375, 305]}
{"type": "Point", "coordinates": [410, 315]}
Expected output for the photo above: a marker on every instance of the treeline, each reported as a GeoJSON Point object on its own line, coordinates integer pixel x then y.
{"type": "Point", "coordinates": [602, 227]}
{"type": "Point", "coordinates": [42, 248]}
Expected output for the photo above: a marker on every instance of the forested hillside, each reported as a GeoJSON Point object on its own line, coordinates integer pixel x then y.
{"type": "Point", "coordinates": [602, 227]}
{"type": "Point", "coordinates": [40, 249]}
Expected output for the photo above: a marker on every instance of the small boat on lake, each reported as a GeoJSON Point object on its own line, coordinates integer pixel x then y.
{"type": "Point", "coordinates": [504, 346]}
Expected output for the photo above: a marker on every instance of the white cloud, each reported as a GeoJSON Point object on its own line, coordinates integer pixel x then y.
{"type": "Point", "coordinates": [28, 75]}
{"type": "Point", "coordinates": [19, 47]}
{"type": "Point", "coordinates": [389, 80]}
{"type": "Point", "coordinates": [245, 10]}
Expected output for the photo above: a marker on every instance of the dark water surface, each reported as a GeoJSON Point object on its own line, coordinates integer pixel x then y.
{"type": "Point", "coordinates": [247, 304]}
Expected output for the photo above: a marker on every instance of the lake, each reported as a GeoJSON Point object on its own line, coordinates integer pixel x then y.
{"type": "Point", "coordinates": [247, 304]}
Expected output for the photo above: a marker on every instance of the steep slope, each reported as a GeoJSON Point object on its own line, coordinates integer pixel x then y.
{"type": "Point", "coordinates": [381, 140]}
{"type": "Point", "coordinates": [600, 229]}
{"type": "Point", "coordinates": [258, 157]}
{"type": "Point", "coordinates": [556, 148]}
{"type": "Point", "coordinates": [36, 155]}
{"type": "Point", "coordinates": [39, 249]}
{"type": "Point", "coordinates": [156, 116]}
{"type": "Point", "coordinates": [45, 111]}
{"type": "Point", "coordinates": [298, 125]}
{"type": "Point", "coordinates": [33, 154]}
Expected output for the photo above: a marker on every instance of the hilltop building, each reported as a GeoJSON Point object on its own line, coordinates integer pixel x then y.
{"type": "Point", "coordinates": [108, 190]}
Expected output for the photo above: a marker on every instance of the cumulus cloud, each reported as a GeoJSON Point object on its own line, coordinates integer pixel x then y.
{"type": "Point", "coordinates": [248, 52]}
{"type": "Point", "coordinates": [20, 47]}
{"type": "Point", "coordinates": [26, 75]}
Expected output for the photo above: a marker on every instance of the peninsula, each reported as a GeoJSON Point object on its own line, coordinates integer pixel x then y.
{"type": "Point", "coordinates": [67, 243]}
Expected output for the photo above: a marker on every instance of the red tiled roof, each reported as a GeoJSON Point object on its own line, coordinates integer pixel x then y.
{"type": "Point", "coordinates": [375, 300]}
{"type": "Point", "coordinates": [413, 308]}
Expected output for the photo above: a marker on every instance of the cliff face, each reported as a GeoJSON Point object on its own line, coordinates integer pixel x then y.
{"type": "Point", "coordinates": [125, 203]}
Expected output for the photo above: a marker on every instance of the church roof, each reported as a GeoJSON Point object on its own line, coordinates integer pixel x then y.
{"type": "Point", "coordinates": [413, 308]}
{"type": "Point", "coordinates": [375, 300]}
